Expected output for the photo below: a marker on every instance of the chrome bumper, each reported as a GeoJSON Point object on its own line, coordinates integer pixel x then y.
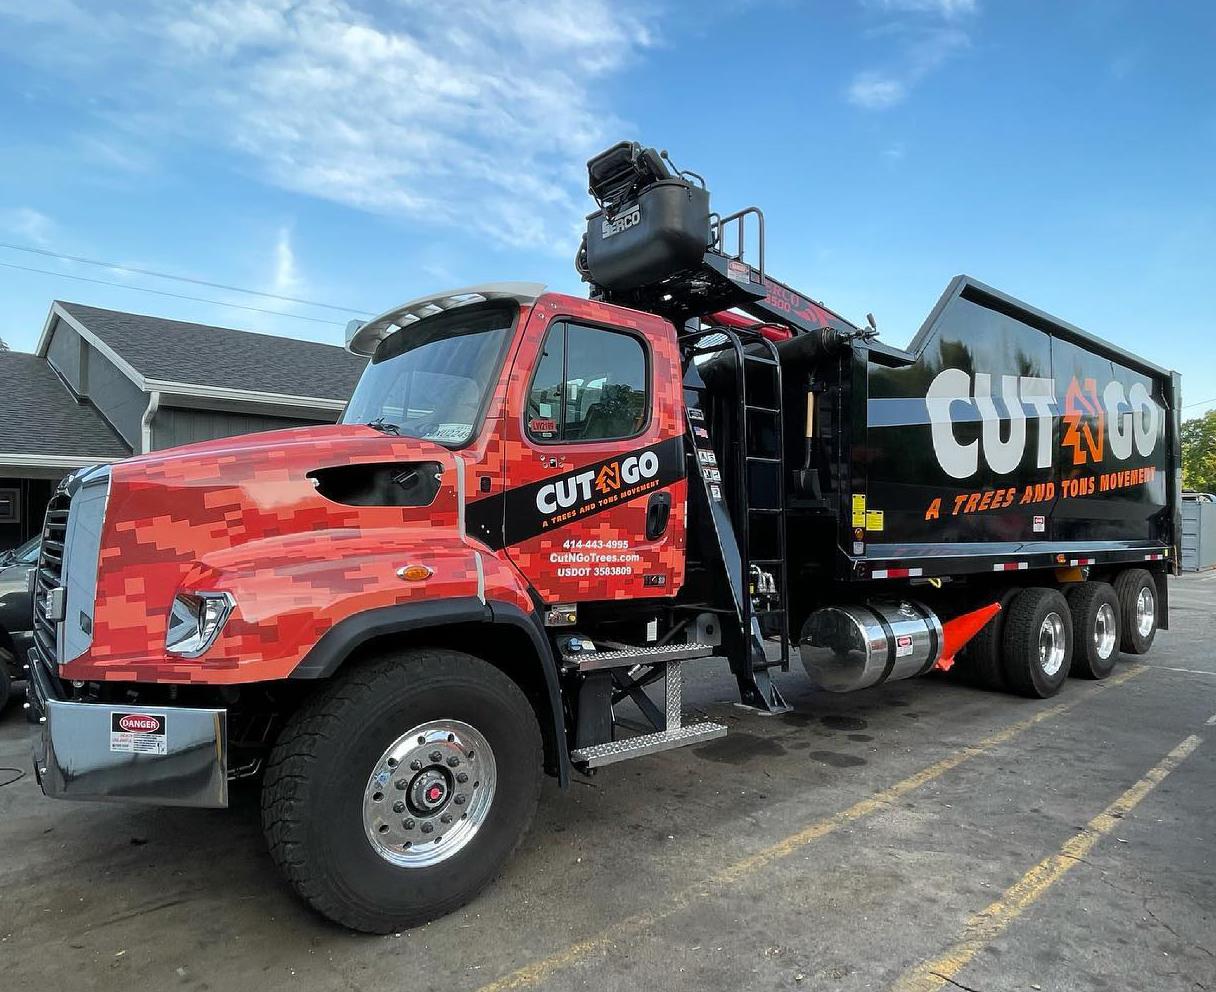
{"type": "Point", "coordinates": [167, 755]}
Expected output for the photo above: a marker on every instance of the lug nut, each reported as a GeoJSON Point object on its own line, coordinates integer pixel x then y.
{"type": "Point", "coordinates": [409, 824]}
{"type": "Point", "coordinates": [436, 756]}
{"type": "Point", "coordinates": [459, 800]}
{"type": "Point", "coordinates": [453, 761]}
{"type": "Point", "coordinates": [398, 806]}
{"type": "Point", "coordinates": [446, 818]}
{"type": "Point", "coordinates": [462, 778]}
{"type": "Point", "coordinates": [428, 827]}
{"type": "Point", "coordinates": [401, 784]}
{"type": "Point", "coordinates": [415, 765]}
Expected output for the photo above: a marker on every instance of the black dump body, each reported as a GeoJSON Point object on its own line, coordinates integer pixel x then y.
{"type": "Point", "coordinates": [1003, 439]}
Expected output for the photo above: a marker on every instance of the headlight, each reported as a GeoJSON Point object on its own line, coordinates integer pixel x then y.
{"type": "Point", "coordinates": [194, 621]}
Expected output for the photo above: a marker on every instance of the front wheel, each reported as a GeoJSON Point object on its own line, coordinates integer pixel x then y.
{"type": "Point", "coordinates": [397, 793]}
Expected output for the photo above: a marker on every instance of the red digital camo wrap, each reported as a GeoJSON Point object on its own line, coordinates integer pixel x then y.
{"type": "Point", "coordinates": [241, 515]}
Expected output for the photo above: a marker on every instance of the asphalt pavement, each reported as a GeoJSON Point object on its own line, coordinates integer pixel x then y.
{"type": "Point", "coordinates": [921, 835]}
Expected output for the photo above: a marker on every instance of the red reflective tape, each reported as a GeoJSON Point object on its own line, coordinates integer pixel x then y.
{"type": "Point", "coordinates": [896, 573]}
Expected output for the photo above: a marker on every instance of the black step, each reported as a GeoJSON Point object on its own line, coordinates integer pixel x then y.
{"type": "Point", "coordinates": [589, 661]}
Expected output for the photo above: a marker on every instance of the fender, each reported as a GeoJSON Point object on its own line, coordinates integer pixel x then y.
{"type": "Point", "coordinates": [340, 641]}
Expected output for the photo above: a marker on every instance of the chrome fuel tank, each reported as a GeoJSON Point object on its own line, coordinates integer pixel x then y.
{"type": "Point", "coordinates": [845, 648]}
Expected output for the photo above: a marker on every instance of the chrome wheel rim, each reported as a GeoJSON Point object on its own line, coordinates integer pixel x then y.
{"type": "Point", "coordinates": [1051, 644]}
{"type": "Point", "coordinates": [1146, 612]}
{"type": "Point", "coordinates": [1104, 631]}
{"type": "Point", "coordinates": [429, 793]}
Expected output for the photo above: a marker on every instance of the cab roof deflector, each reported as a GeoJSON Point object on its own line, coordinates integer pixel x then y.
{"type": "Point", "coordinates": [363, 337]}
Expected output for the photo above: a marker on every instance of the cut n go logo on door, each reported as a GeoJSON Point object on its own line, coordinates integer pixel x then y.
{"type": "Point", "coordinates": [575, 491]}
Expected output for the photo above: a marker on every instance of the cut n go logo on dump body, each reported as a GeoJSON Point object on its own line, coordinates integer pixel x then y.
{"type": "Point", "coordinates": [1120, 420]}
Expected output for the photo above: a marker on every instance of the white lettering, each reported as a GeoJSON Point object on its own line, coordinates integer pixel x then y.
{"type": "Point", "coordinates": [1144, 422]}
{"type": "Point", "coordinates": [951, 386]}
{"type": "Point", "coordinates": [1118, 420]}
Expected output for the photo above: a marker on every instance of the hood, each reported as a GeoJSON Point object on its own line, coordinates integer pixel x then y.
{"type": "Point", "coordinates": [352, 441]}
{"type": "Point", "coordinates": [256, 512]}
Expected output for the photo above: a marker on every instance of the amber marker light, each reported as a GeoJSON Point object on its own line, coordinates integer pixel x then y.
{"type": "Point", "coordinates": [414, 573]}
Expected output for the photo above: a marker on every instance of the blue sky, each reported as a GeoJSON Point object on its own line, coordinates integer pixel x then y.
{"type": "Point", "coordinates": [360, 154]}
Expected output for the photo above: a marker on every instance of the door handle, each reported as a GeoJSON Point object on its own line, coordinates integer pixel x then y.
{"type": "Point", "coordinates": [658, 512]}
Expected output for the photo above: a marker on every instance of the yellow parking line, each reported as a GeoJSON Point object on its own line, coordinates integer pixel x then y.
{"type": "Point", "coordinates": [989, 923]}
{"type": "Point", "coordinates": [539, 971]}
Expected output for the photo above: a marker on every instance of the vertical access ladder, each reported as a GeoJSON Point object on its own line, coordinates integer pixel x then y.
{"type": "Point", "coordinates": [745, 526]}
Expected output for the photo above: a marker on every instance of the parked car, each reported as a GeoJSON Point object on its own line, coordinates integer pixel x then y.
{"type": "Point", "coordinates": [16, 611]}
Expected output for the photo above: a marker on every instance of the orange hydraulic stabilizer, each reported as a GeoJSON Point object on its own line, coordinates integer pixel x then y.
{"type": "Point", "coordinates": [957, 632]}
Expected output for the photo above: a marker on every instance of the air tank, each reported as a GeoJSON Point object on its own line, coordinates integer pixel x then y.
{"type": "Point", "coordinates": [846, 648]}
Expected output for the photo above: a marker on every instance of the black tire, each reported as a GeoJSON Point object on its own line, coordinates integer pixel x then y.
{"type": "Point", "coordinates": [1129, 585]}
{"type": "Point", "coordinates": [1025, 670]}
{"type": "Point", "coordinates": [6, 680]}
{"type": "Point", "coordinates": [982, 655]}
{"type": "Point", "coordinates": [313, 794]}
{"type": "Point", "coordinates": [1096, 629]}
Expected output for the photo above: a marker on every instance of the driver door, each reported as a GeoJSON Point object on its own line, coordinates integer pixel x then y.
{"type": "Point", "coordinates": [596, 496]}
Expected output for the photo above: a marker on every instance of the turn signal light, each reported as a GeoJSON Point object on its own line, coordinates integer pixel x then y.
{"type": "Point", "coordinates": [414, 573]}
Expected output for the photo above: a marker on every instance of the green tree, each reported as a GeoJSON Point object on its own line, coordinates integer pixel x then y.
{"type": "Point", "coordinates": [1199, 453]}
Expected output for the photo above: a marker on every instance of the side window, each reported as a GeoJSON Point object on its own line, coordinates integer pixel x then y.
{"type": "Point", "coordinates": [544, 414]}
{"type": "Point", "coordinates": [590, 385]}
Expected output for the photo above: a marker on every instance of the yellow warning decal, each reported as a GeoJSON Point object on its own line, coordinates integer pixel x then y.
{"type": "Point", "coordinates": [859, 510]}
{"type": "Point", "coordinates": [874, 520]}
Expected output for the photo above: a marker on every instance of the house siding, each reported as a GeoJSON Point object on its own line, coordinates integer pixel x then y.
{"type": "Point", "coordinates": [97, 379]}
{"type": "Point", "coordinates": [175, 425]}
{"type": "Point", "coordinates": [65, 353]}
{"type": "Point", "coordinates": [117, 398]}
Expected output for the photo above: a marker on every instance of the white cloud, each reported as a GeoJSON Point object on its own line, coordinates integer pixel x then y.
{"type": "Point", "coordinates": [477, 113]}
{"type": "Point", "coordinates": [875, 91]}
{"type": "Point", "coordinates": [943, 8]}
{"type": "Point", "coordinates": [286, 276]}
{"type": "Point", "coordinates": [926, 34]}
{"type": "Point", "coordinates": [30, 226]}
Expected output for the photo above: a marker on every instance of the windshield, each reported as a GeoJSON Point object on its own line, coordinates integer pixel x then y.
{"type": "Point", "coordinates": [25, 554]}
{"type": "Point", "coordinates": [431, 380]}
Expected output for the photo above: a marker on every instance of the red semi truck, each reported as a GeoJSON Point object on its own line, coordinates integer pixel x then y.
{"type": "Point", "coordinates": [537, 507]}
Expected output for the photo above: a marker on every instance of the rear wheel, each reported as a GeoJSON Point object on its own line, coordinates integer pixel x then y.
{"type": "Point", "coordinates": [1036, 644]}
{"type": "Point", "coordinates": [1095, 624]}
{"type": "Point", "coordinates": [397, 793]}
{"type": "Point", "coordinates": [982, 655]}
{"type": "Point", "coordinates": [1137, 594]}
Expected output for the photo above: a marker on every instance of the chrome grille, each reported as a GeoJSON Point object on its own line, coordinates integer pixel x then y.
{"type": "Point", "coordinates": [50, 572]}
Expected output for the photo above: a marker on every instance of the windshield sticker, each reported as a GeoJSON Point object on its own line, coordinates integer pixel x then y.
{"type": "Point", "coordinates": [449, 432]}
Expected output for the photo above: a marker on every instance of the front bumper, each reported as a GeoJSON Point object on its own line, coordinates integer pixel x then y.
{"type": "Point", "coordinates": [167, 755]}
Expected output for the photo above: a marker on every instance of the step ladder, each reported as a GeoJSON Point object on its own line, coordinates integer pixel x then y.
{"type": "Point", "coordinates": [624, 672]}
{"type": "Point", "coordinates": [747, 511]}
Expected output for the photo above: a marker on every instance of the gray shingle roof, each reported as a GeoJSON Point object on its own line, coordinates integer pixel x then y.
{"type": "Point", "coordinates": [40, 416]}
{"type": "Point", "coordinates": [221, 356]}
